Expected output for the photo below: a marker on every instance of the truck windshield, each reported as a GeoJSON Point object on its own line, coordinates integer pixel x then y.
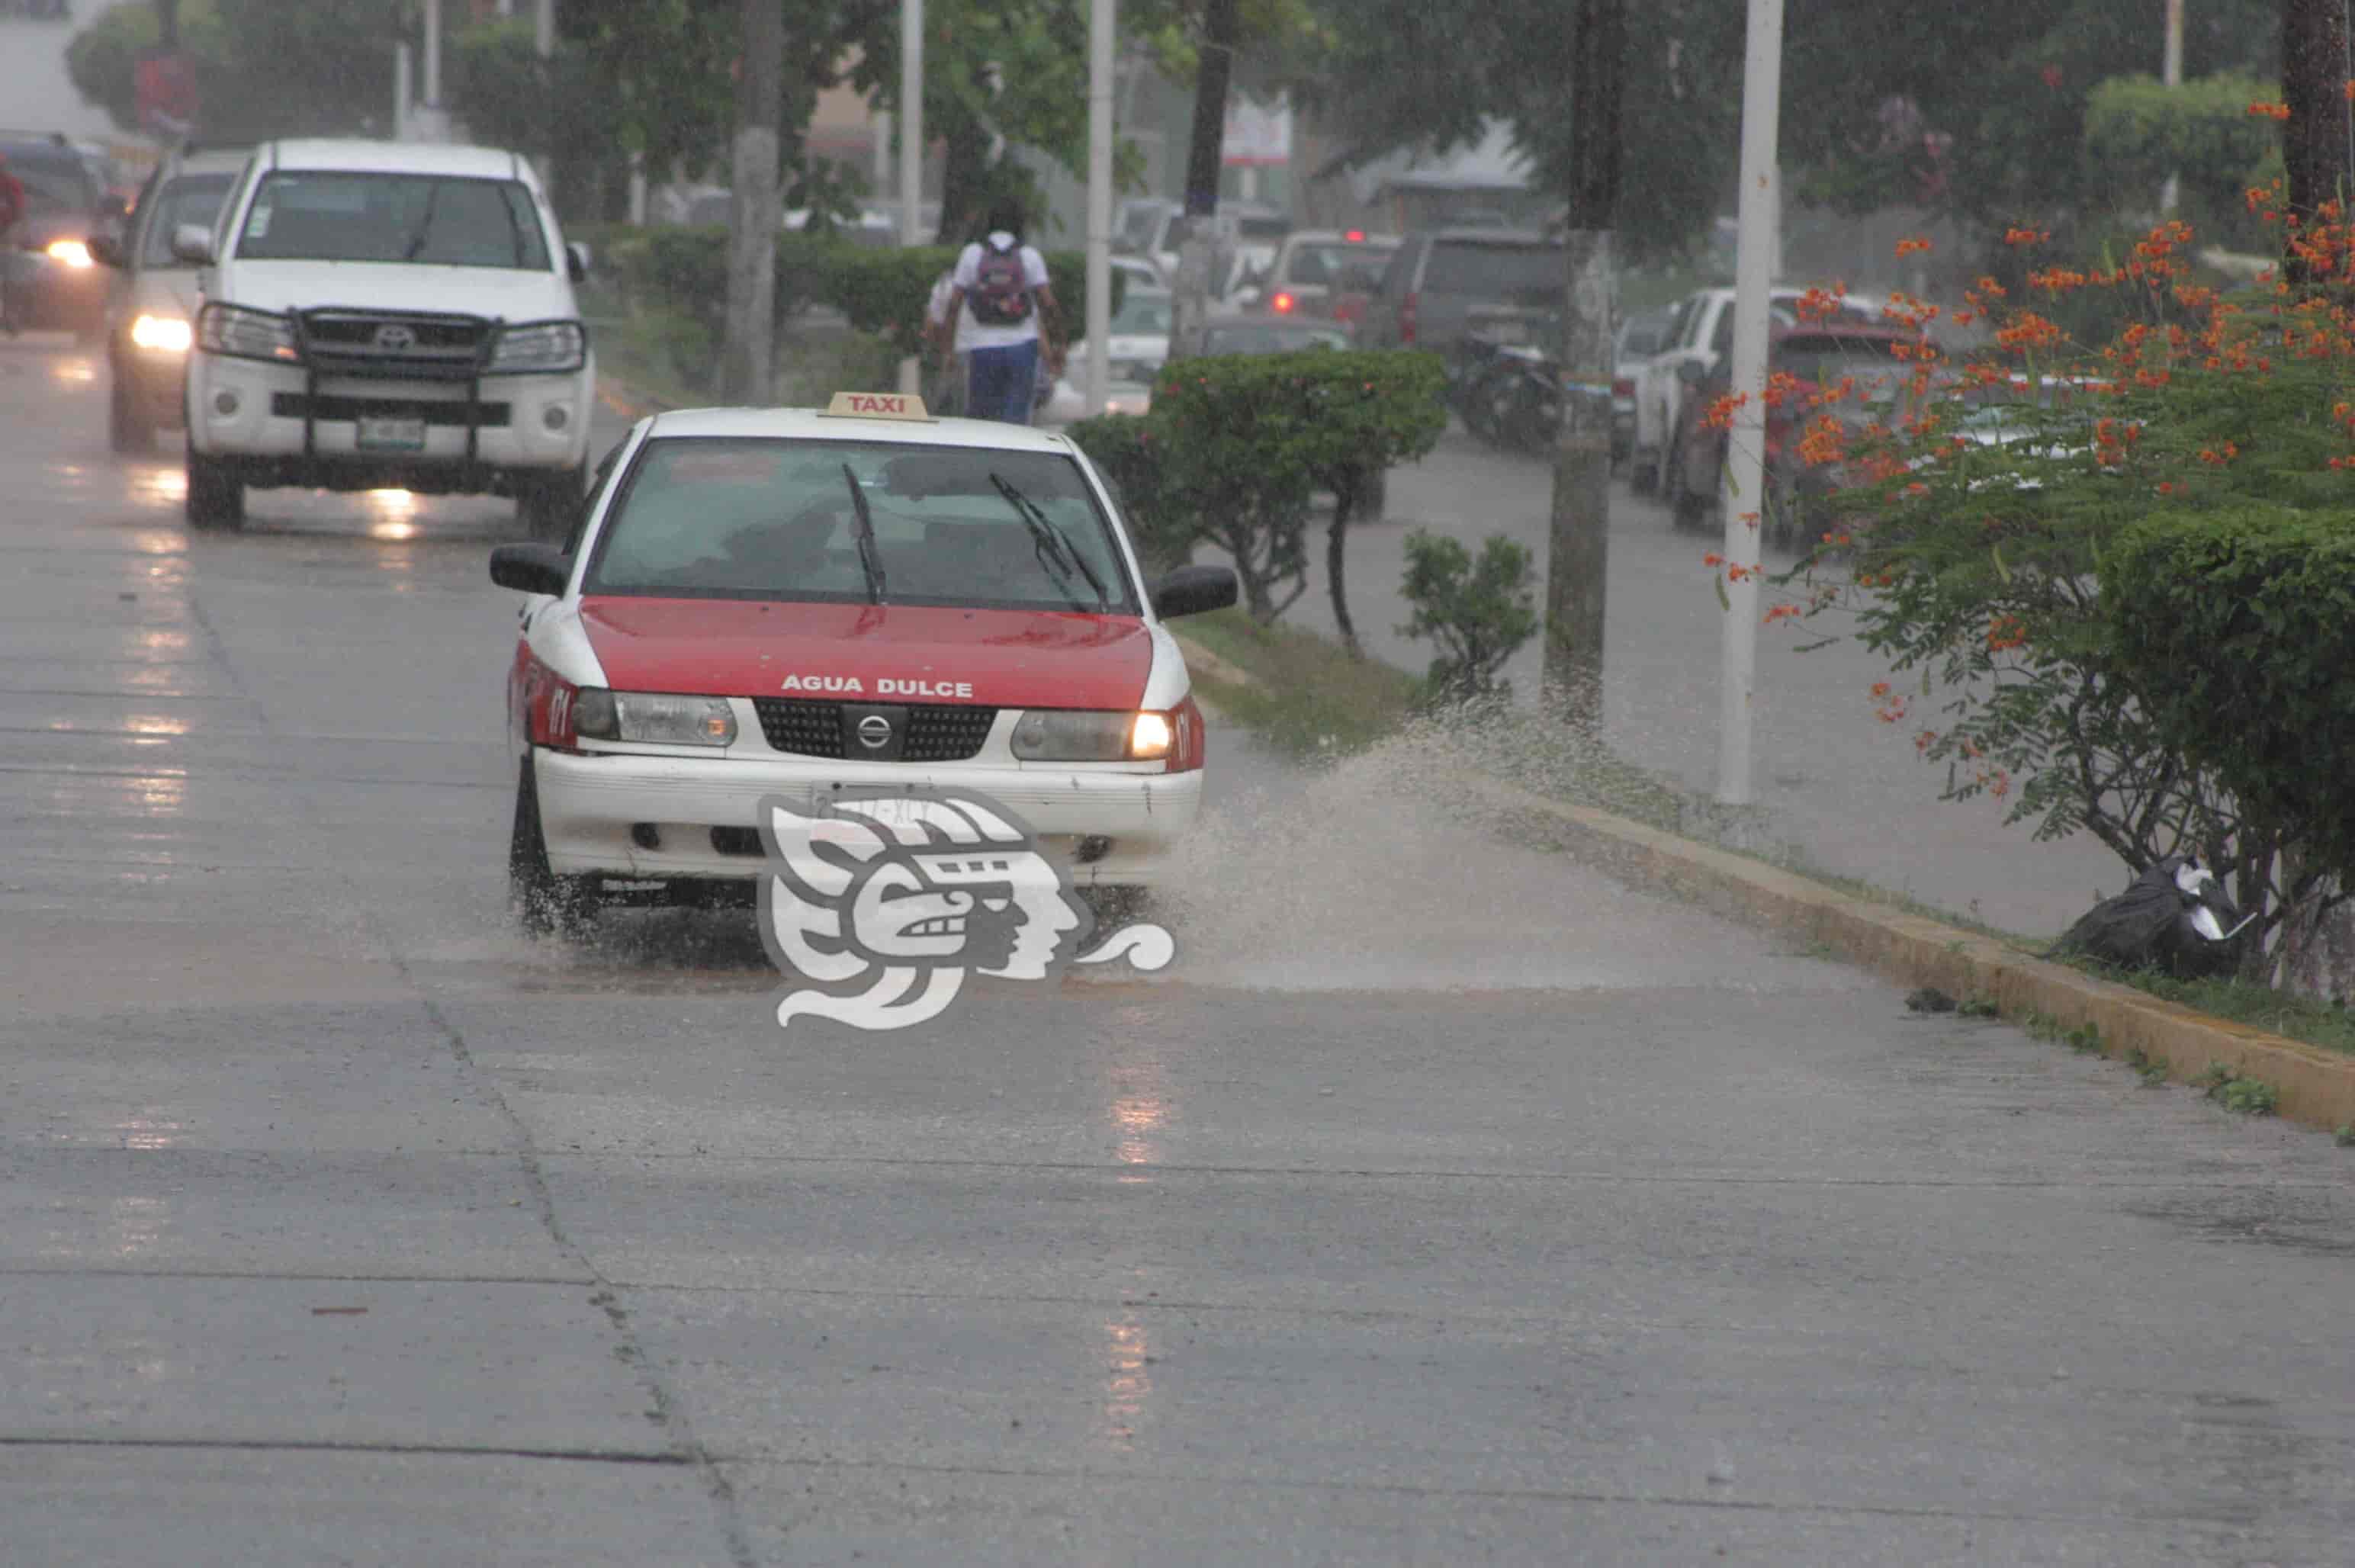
{"type": "Point", "coordinates": [430, 219]}
{"type": "Point", "coordinates": [725, 518]}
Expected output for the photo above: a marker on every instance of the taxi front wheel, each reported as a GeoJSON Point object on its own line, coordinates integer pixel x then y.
{"type": "Point", "coordinates": [544, 904]}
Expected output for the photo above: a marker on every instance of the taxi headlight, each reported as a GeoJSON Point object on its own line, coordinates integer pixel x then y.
{"type": "Point", "coordinates": [1063, 735]}
{"type": "Point", "coordinates": [544, 347]}
{"type": "Point", "coordinates": [244, 334]}
{"type": "Point", "coordinates": [654, 718]}
{"type": "Point", "coordinates": [163, 334]}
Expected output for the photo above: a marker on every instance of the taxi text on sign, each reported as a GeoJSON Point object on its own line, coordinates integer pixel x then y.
{"type": "Point", "coordinates": [877, 406]}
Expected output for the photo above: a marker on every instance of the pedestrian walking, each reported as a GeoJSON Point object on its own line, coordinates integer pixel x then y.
{"type": "Point", "coordinates": [949, 340]}
{"type": "Point", "coordinates": [1007, 316]}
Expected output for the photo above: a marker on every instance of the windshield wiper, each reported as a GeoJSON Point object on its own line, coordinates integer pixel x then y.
{"type": "Point", "coordinates": [869, 561]}
{"type": "Point", "coordinates": [1055, 551]}
{"type": "Point", "coordinates": [424, 224]}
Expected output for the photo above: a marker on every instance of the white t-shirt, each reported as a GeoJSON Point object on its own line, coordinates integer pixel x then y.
{"type": "Point", "coordinates": [937, 311]}
{"type": "Point", "coordinates": [974, 333]}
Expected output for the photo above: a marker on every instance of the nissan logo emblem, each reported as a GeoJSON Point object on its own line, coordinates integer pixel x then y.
{"type": "Point", "coordinates": [395, 337]}
{"type": "Point", "coordinates": [874, 731]}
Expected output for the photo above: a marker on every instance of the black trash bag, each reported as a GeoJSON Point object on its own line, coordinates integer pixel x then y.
{"type": "Point", "coordinates": [2174, 917]}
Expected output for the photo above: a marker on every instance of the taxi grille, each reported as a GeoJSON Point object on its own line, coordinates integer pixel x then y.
{"type": "Point", "coordinates": [934, 734]}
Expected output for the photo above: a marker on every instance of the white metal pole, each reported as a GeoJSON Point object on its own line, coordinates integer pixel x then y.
{"type": "Point", "coordinates": [400, 92]}
{"type": "Point", "coordinates": [1102, 25]}
{"type": "Point", "coordinates": [2172, 76]}
{"type": "Point", "coordinates": [1762, 80]}
{"type": "Point", "coordinates": [543, 29]}
{"type": "Point", "coordinates": [912, 121]}
{"type": "Point", "coordinates": [911, 153]}
{"type": "Point", "coordinates": [434, 53]}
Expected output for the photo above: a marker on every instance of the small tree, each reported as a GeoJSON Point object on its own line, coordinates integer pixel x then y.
{"type": "Point", "coordinates": [1250, 439]}
{"type": "Point", "coordinates": [1479, 612]}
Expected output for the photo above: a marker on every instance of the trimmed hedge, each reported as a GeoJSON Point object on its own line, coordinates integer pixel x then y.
{"type": "Point", "coordinates": [882, 291]}
{"type": "Point", "coordinates": [2238, 627]}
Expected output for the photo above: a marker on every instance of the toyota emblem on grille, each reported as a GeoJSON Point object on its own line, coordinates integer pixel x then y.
{"type": "Point", "coordinates": [874, 731]}
{"type": "Point", "coordinates": [395, 338]}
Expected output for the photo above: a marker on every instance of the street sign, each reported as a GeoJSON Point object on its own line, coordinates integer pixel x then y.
{"type": "Point", "coordinates": [1258, 136]}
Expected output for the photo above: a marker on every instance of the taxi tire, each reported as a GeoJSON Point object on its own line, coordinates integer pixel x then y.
{"type": "Point", "coordinates": [543, 904]}
{"type": "Point", "coordinates": [215, 496]}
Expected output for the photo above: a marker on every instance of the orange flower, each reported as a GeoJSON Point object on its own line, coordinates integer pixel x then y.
{"type": "Point", "coordinates": [2270, 111]}
{"type": "Point", "coordinates": [2026, 236]}
{"type": "Point", "coordinates": [1912, 247]}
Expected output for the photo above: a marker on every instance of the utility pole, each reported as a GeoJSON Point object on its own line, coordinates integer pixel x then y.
{"type": "Point", "coordinates": [1578, 551]}
{"type": "Point", "coordinates": [747, 371]}
{"type": "Point", "coordinates": [1205, 160]}
{"type": "Point", "coordinates": [1746, 462]}
{"type": "Point", "coordinates": [2316, 152]}
{"type": "Point", "coordinates": [1103, 22]}
{"type": "Point", "coordinates": [2172, 74]}
{"type": "Point", "coordinates": [543, 44]}
{"type": "Point", "coordinates": [911, 153]}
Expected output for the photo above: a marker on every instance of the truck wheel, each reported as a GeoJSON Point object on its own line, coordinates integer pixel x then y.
{"type": "Point", "coordinates": [215, 496]}
{"type": "Point", "coordinates": [544, 904]}
{"type": "Point", "coordinates": [545, 506]}
{"type": "Point", "coordinates": [127, 430]}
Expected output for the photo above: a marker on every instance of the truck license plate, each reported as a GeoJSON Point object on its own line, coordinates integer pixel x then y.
{"type": "Point", "coordinates": [392, 435]}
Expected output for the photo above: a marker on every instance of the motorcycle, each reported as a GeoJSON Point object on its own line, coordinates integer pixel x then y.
{"type": "Point", "coordinates": [1509, 393]}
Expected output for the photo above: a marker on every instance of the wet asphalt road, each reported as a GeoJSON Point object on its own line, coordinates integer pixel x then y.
{"type": "Point", "coordinates": [1442, 1204]}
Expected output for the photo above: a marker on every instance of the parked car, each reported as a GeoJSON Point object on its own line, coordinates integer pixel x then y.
{"type": "Point", "coordinates": [1315, 268]}
{"type": "Point", "coordinates": [151, 298]}
{"type": "Point", "coordinates": [1819, 354]}
{"type": "Point", "coordinates": [1444, 285]}
{"type": "Point", "coordinates": [48, 279]}
{"type": "Point", "coordinates": [1259, 230]}
{"type": "Point", "coordinates": [1700, 332]}
{"type": "Point", "coordinates": [388, 313]}
{"type": "Point", "coordinates": [1639, 338]}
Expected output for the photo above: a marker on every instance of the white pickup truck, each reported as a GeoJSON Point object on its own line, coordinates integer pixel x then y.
{"type": "Point", "coordinates": [383, 315]}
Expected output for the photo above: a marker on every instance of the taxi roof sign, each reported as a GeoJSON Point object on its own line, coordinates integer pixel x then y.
{"type": "Point", "coordinates": [878, 406]}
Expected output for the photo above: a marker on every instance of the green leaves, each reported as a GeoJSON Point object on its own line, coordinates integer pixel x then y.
{"type": "Point", "coordinates": [2235, 623]}
{"type": "Point", "coordinates": [1480, 611]}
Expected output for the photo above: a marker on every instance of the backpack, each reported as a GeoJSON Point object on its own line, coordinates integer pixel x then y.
{"type": "Point", "coordinates": [1000, 295]}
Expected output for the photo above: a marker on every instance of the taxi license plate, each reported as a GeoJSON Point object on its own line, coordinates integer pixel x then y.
{"type": "Point", "coordinates": [392, 435]}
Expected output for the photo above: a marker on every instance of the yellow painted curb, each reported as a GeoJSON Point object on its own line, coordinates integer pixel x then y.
{"type": "Point", "coordinates": [2316, 1087]}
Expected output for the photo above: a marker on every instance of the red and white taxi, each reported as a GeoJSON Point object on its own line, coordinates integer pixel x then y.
{"type": "Point", "coordinates": [761, 602]}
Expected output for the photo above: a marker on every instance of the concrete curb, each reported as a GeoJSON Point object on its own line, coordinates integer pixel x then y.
{"type": "Point", "coordinates": [2317, 1087]}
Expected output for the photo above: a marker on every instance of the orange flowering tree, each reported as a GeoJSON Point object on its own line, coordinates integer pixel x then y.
{"type": "Point", "coordinates": [1962, 536]}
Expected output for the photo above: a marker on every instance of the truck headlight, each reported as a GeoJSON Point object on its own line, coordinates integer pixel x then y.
{"type": "Point", "coordinates": [245, 333]}
{"type": "Point", "coordinates": [163, 334]}
{"type": "Point", "coordinates": [654, 718]}
{"type": "Point", "coordinates": [1066, 735]}
{"type": "Point", "coordinates": [545, 347]}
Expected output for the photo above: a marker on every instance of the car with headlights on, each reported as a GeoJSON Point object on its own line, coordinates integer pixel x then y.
{"type": "Point", "coordinates": [151, 302]}
{"type": "Point", "coordinates": [387, 314]}
{"type": "Point", "coordinates": [49, 282]}
{"type": "Point", "coordinates": [786, 602]}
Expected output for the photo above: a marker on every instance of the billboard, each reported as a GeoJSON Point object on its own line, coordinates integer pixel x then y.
{"type": "Point", "coordinates": [1258, 136]}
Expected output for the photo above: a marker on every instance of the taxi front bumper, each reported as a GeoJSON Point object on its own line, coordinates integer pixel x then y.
{"type": "Point", "coordinates": [597, 811]}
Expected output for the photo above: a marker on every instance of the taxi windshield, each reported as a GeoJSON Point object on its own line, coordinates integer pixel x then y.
{"type": "Point", "coordinates": [853, 522]}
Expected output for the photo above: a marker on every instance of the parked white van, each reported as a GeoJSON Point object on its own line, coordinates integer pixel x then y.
{"type": "Point", "coordinates": [382, 314]}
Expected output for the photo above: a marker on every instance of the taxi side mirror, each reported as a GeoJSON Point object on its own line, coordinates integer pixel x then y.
{"type": "Point", "coordinates": [530, 568]}
{"type": "Point", "coordinates": [1191, 589]}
